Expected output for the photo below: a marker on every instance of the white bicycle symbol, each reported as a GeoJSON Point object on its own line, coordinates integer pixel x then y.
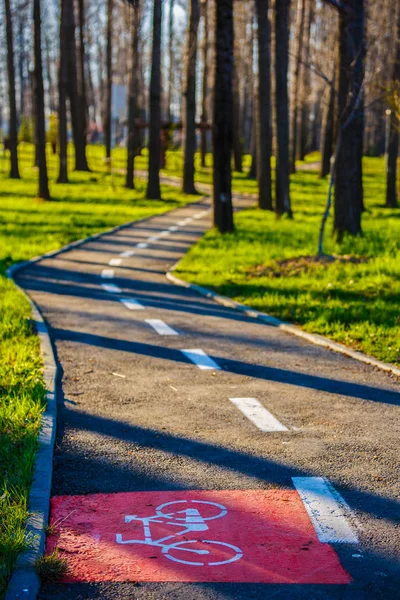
{"type": "Point", "coordinates": [191, 520]}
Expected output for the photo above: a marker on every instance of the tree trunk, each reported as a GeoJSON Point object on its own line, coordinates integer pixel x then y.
{"type": "Point", "coordinates": [264, 108]}
{"type": "Point", "coordinates": [305, 84]}
{"type": "Point", "coordinates": [298, 50]}
{"type": "Point", "coordinates": [62, 106]}
{"type": "Point", "coordinates": [21, 67]}
{"type": "Point", "coordinates": [107, 116]}
{"type": "Point", "coordinates": [348, 188]}
{"type": "Point", "coordinates": [13, 134]}
{"type": "Point", "coordinates": [153, 188]}
{"type": "Point", "coordinates": [171, 60]}
{"type": "Point", "coordinates": [43, 191]}
{"type": "Point", "coordinates": [222, 122]}
{"type": "Point", "coordinates": [189, 102]}
{"type": "Point", "coordinates": [81, 67]}
{"type": "Point", "coordinates": [327, 139]}
{"type": "Point", "coordinates": [73, 92]}
{"type": "Point", "coordinates": [237, 141]}
{"type": "Point", "coordinates": [282, 181]}
{"type": "Point", "coordinates": [204, 103]}
{"type": "Point", "coordinates": [393, 149]}
{"type": "Point", "coordinates": [133, 106]}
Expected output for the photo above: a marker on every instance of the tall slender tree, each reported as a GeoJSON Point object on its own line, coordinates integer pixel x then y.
{"type": "Point", "coordinates": [107, 112]}
{"type": "Point", "coordinates": [62, 100]}
{"type": "Point", "coordinates": [171, 58]}
{"type": "Point", "coordinates": [133, 104]}
{"type": "Point", "coordinates": [282, 180]}
{"type": "Point", "coordinates": [348, 186]}
{"type": "Point", "coordinates": [153, 187]}
{"type": "Point", "coordinates": [13, 133]}
{"type": "Point", "coordinates": [264, 142]}
{"type": "Point", "coordinates": [294, 109]}
{"type": "Point", "coordinates": [393, 149]}
{"type": "Point", "coordinates": [204, 101]}
{"type": "Point", "coordinates": [43, 191]}
{"type": "Point", "coordinates": [189, 104]}
{"type": "Point", "coordinates": [223, 113]}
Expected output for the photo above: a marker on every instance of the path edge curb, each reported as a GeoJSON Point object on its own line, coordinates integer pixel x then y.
{"type": "Point", "coordinates": [25, 582]}
{"type": "Point", "coordinates": [314, 338]}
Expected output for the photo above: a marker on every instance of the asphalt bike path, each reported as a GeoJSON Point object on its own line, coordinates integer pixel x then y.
{"type": "Point", "coordinates": [200, 453]}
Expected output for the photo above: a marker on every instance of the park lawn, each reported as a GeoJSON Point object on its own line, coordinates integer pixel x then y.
{"type": "Point", "coordinates": [356, 303]}
{"type": "Point", "coordinates": [29, 227]}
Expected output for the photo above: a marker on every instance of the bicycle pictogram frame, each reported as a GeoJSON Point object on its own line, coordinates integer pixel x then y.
{"type": "Point", "coordinates": [191, 521]}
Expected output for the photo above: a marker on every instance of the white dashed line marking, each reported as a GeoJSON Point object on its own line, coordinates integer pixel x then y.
{"type": "Point", "coordinates": [115, 262]}
{"type": "Point", "coordinates": [131, 304]}
{"type": "Point", "coordinates": [161, 327]}
{"type": "Point", "coordinates": [326, 509]}
{"type": "Point", "coordinates": [164, 234]}
{"type": "Point", "coordinates": [153, 239]}
{"type": "Point", "coordinates": [107, 274]}
{"type": "Point", "coordinates": [127, 253]}
{"type": "Point", "coordinates": [142, 245]}
{"type": "Point", "coordinates": [258, 415]}
{"type": "Point", "coordinates": [111, 288]}
{"type": "Point", "coordinates": [173, 228]}
{"type": "Point", "coordinates": [200, 358]}
{"type": "Point", "coordinates": [200, 214]}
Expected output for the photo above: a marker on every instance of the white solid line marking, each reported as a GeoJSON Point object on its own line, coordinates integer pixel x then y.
{"type": "Point", "coordinates": [161, 327]}
{"type": "Point", "coordinates": [107, 274]}
{"type": "Point", "coordinates": [258, 415]}
{"type": "Point", "coordinates": [173, 228]}
{"type": "Point", "coordinates": [127, 253]}
{"type": "Point", "coordinates": [111, 288]}
{"type": "Point", "coordinates": [115, 262]}
{"type": "Point", "coordinates": [141, 245]}
{"type": "Point", "coordinates": [131, 304]}
{"type": "Point", "coordinates": [326, 509]}
{"type": "Point", "coordinates": [200, 358]}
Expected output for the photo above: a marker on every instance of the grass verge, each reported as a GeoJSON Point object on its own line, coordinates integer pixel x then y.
{"type": "Point", "coordinates": [92, 202]}
{"type": "Point", "coordinates": [353, 302]}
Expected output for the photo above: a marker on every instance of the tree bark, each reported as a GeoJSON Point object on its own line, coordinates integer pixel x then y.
{"type": "Point", "coordinates": [264, 108]}
{"type": "Point", "coordinates": [171, 59]}
{"type": "Point", "coordinates": [62, 99]}
{"type": "Point", "coordinates": [81, 67]}
{"type": "Point", "coordinates": [189, 102]}
{"type": "Point", "coordinates": [327, 136]}
{"type": "Point", "coordinates": [133, 105]}
{"type": "Point", "coordinates": [107, 116]}
{"type": "Point", "coordinates": [204, 102]}
{"type": "Point", "coordinates": [393, 149]}
{"type": "Point", "coordinates": [282, 181]}
{"type": "Point", "coordinates": [222, 121]}
{"type": "Point", "coordinates": [305, 84]}
{"type": "Point", "coordinates": [43, 191]}
{"type": "Point", "coordinates": [73, 91]}
{"type": "Point", "coordinates": [298, 50]}
{"type": "Point", "coordinates": [13, 134]}
{"type": "Point", "coordinates": [237, 139]}
{"type": "Point", "coordinates": [153, 188]}
{"type": "Point", "coordinates": [348, 188]}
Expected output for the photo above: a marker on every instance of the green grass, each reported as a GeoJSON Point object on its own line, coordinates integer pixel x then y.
{"type": "Point", "coordinates": [356, 304]}
{"type": "Point", "coordinates": [92, 202]}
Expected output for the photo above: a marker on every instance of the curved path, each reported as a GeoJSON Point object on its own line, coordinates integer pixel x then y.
{"type": "Point", "coordinates": [202, 454]}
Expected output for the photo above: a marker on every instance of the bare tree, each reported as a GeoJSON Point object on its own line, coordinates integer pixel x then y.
{"type": "Point", "coordinates": [189, 96]}
{"type": "Point", "coordinates": [204, 102]}
{"type": "Point", "coordinates": [153, 188]}
{"type": "Point", "coordinates": [282, 180]}
{"type": "Point", "coordinates": [62, 101]}
{"type": "Point", "coordinates": [263, 107]}
{"type": "Point", "coordinates": [13, 135]}
{"type": "Point", "coordinates": [107, 115]}
{"type": "Point", "coordinates": [298, 50]}
{"type": "Point", "coordinates": [222, 122]}
{"type": "Point", "coordinates": [133, 106]}
{"type": "Point", "coordinates": [43, 191]}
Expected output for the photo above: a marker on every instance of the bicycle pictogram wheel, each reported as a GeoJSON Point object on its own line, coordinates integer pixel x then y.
{"type": "Point", "coordinates": [218, 510]}
{"type": "Point", "coordinates": [215, 553]}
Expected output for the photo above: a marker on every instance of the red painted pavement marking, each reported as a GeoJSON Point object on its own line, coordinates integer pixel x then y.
{"type": "Point", "coordinates": [256, 536]}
